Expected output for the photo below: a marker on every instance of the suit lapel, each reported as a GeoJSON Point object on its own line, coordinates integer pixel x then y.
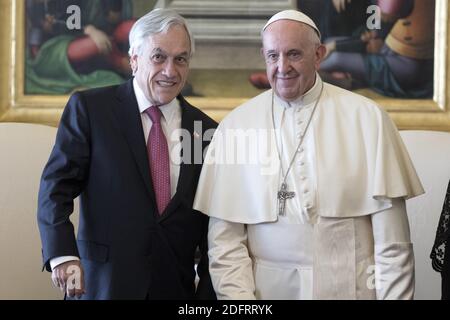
{"type": "Point", "coordinates": [129, 121]}
{"type": "Point", "coordinates": [186, 169]}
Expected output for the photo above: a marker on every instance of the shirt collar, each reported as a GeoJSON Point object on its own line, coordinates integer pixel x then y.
{"type": "Point", "coordinates": [167, 110]}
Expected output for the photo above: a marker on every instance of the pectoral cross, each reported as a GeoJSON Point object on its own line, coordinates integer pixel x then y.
{"type": "Point", "coordinates": [282, 196]}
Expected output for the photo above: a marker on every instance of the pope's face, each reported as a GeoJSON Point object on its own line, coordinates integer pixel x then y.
{"type": "Point", "coordinates": [162, 67]}
{"type": "Point", "coordinates": [292, 58]}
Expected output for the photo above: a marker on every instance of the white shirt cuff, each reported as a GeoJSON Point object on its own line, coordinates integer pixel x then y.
{"type": "Point", "coordinates": [60, 260]}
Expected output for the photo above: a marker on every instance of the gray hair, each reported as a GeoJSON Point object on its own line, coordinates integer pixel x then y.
{"type": "Point", "coordinates": [314, 37]}
{"type": "Point", "coordinates": [154, 22]}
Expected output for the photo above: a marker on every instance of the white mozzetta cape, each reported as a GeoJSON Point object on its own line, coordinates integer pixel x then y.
{"type": "Point", "coordinates": [361, 161]}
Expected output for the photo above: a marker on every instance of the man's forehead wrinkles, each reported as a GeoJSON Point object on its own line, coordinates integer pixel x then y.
{"type": "Point", "coordinates": [157, 49]}
{"type": "Point", "coordinates": [176, 54]}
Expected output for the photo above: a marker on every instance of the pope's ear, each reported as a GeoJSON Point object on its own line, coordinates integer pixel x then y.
{"type": "Point", "coordinates": [320, 54]}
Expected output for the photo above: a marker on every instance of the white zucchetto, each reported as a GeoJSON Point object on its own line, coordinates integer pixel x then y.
{"type": "Point", "coordinates": [293, 15]}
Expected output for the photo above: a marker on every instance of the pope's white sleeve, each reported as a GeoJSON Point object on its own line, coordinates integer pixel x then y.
{"type": "Point", "coordinates": [230, 266]}
{"type": "Point", "coordinates": [394, 256]}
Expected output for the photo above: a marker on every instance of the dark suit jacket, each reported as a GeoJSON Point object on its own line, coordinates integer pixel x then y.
{"type": "Point", "coordinates": [127, 250]}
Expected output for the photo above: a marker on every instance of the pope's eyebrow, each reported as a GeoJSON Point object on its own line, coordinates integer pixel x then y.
{"type": "Point", "coordinates": [295, 51]}
{"type": "Point", "coordinates": [183, 54]}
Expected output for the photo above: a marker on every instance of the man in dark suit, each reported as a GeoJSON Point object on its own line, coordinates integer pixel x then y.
{"type": "Point", "coordinates": [132, 154]}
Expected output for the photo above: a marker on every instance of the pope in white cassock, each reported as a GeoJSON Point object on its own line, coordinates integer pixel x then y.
{"type": "Point", "coordinates": [305, 186]}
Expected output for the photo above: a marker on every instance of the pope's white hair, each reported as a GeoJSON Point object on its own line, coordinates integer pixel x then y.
{"type": "Point", "coordinates": [154, 22]}
{"type": "Point", "coordinates": [314, 37]}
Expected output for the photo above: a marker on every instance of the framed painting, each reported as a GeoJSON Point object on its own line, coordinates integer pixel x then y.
{"type": "Point", "coordinates": [40, 69]}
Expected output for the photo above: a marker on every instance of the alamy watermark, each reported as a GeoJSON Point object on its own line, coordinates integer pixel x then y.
{"type": "Point", "coordinates": [73, 22]}
{"type": "Point", "coordinates": [374, 20]}
{"type": "Point", "coordinates": [246, 147]}
{"type": "Point", "coordinates": [74, 278]}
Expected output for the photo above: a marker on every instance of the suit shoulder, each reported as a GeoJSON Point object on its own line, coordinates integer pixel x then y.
{"type": "Point", "coordinates": [93, 100]}
{"type": "Point", "coordinates": [96, 93]}
{"type": "Point", "coordinates": [198, 114]}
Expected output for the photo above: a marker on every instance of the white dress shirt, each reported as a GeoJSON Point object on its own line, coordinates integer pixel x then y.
{"type": "Point", "coordinates": [171, 126]}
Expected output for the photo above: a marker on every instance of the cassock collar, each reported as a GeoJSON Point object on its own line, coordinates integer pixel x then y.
{"type": "Point", "coordinates": [309, 97]}
{"type": "Point", "coordinates": [307, 100]}
{"type": "Point", "coordinates": [168, 110]}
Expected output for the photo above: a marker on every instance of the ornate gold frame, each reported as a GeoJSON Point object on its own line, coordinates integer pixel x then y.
{"type": "Point", "coordinates": [15, 106]}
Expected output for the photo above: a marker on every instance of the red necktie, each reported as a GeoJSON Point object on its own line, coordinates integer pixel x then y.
{"type": "Point", "coordinates": [158, 156]}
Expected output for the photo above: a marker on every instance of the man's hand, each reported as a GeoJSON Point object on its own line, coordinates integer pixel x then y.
{"type": "Point", "coordinates": [114, 17]}
{"type": "Point", "coordinates": [374, 44]}
{"type": "Point", "coordinates": [47, 24]}
{"type": "Point", "coordinates": [69, 278]}
{"type": "Point", "coordinates": [100, 38]}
